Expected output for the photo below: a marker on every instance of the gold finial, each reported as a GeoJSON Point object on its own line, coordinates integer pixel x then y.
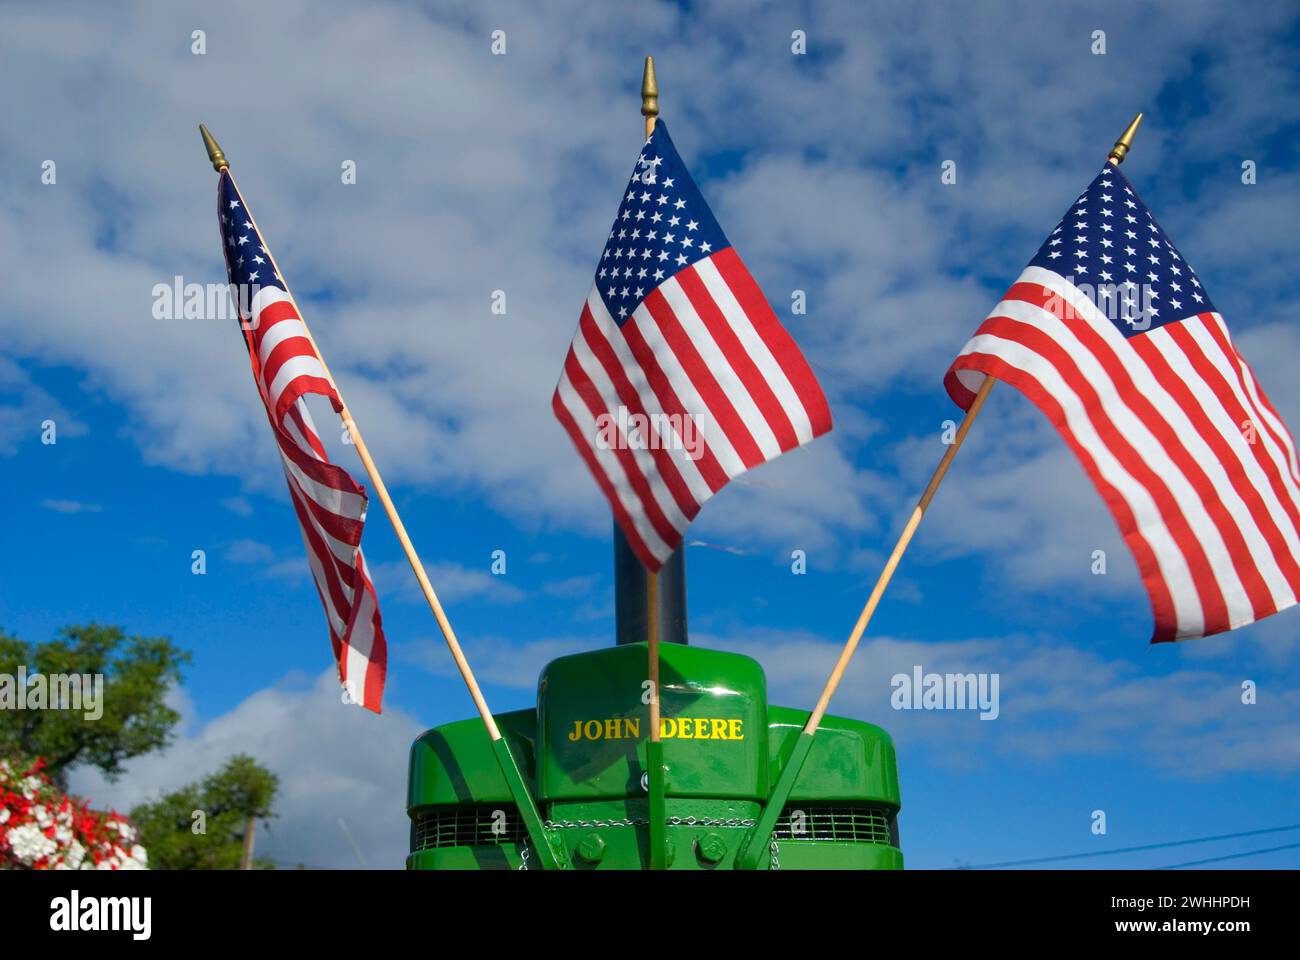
{"type": "Point", "coordinates": [1125, 142]}
{"type": "Point", "coordinates": [218, 158]}
{"type": "Point", "coordinates": [649, 96]}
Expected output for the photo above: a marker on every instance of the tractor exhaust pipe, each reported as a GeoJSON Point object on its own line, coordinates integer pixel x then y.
{"type": "Point", "coordinates": [630, 613]}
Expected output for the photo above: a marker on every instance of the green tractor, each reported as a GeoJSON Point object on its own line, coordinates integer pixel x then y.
{"type": "Point", "coordinates": [582, 752]}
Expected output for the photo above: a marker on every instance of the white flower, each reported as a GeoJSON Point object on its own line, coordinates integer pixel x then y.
{"type": "Point", "coordinates": [76, 854]}
{"type": "Point", "coordinates": [4, 815]}
{"type": "Point", "coordinates": [28, 844]}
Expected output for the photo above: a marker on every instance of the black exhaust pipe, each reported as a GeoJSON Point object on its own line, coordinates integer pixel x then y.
{"type": "Point", "coordinates": [630, 611]}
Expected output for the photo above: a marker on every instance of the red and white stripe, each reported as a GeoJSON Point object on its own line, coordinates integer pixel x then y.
{"type": "Point", "coordinates": [703, 345]}
{"type": "Point", "coordinates": [1195, 464]}
{"type": "Point", "coordinates": [330, 505]}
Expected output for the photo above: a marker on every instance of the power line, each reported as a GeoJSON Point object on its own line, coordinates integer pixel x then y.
{"type": "Point", "coordinates": [1230, 856]}
{"type": "Point", "coordinates": [1147, 846]}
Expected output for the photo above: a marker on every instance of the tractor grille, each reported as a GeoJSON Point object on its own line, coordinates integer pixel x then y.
{"type": "Point", "coordinates": [487, 825]}
{"type": "Point", "coordinates": [845, 824]}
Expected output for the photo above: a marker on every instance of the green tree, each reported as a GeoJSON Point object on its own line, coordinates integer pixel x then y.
{"type": "Point", "coordinates": [138, 672]}
{"type": "Point", "coordinates": [202, 826]}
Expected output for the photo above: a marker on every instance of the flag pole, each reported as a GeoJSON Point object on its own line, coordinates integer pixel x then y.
{"type": "Point", "coordinates": [751, 853]}
{"type": "Point", "coordinates": [509, 767]}
{"type": "Point", "coordinates": [656, 785]}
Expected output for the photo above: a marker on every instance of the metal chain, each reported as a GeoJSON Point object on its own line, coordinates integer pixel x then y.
{"type": "Point", "coordinates": [588, 824]}
{"type": "Point", "coordinates": [523, 856]}
{"type": "Point", "coordinates": [643, 822]}
{"type": "Point", "coordinates": [711, 822]}
{"type": "Point", "coordinates": [776, 860]}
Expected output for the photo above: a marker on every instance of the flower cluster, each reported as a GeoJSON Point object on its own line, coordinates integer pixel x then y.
{"type": "Point", "coordinates": [42, 829]}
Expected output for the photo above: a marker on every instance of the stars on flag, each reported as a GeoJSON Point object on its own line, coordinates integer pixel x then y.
{"type": "Point", "coordinates": [237, 232]}
{"type": "Point", "coordinates": [662, 226]}
{"type": "Point", "coordinates": [1139, 282]}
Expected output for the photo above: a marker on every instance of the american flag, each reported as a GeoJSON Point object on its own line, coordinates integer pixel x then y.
{"type": "Point", "coordinates": [331, 507]}
{"type": "Point", "coordinates": [1110, 333]}
{"type": "Point", "coordinates": [679, 377]}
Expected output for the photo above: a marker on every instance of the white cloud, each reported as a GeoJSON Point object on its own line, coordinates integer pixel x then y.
{"type": "Point", "coordinates": [580, 586]}
{"type": "Point", "coordinates": [26, 409]}
{"type": "Point", "coordinates": [288, 566]}
{"type": "Point", "coordinates": [333, 761]}
{"type": "Point", "coordinates": [71, 506]}
{"type": "Point", "coordinates": [497, 660]}
{"type": "Point", "coordinates": [452, 581]}
{"type": "Point", "coordinates": [239, 506]}
{"type": "Point", "coordinates": [249, 551]}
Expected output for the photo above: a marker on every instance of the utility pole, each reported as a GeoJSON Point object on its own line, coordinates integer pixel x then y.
{"type": "Point", "coordinates": [246, 859]}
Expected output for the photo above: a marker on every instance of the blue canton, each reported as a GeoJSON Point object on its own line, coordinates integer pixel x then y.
{"type": "Point", "coordinates": [663, 226]}
{"type": "Point", "coordinates": [1111, 247]}
{"type": "Point", "coordinates": [246, 257]}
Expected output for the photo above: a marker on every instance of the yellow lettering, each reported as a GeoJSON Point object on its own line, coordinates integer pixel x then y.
{"type": "Point", "coordinates": [683, 728]}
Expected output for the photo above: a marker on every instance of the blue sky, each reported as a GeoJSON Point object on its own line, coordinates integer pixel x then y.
{"type": "Point", "coordinates": [478, 173]}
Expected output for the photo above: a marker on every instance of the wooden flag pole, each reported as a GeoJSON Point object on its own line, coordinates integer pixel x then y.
{"type": "Point", "coordinates": [509, 767]}
{"type": "Point", "coordinates": [752, 852]}
{"type": "Point", "coordinates": [656, 785]}
{"type": "Point", "coordinates": [650, 110]}
{"type": "Point", "coordinates": [914, 521]}
{"type": "Point", "coordinates": [652, 646]}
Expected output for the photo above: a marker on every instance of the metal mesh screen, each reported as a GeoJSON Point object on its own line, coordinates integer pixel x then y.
{"type": "Point", "coordinates": [487, 825]}
{"type": "Point", "coordinates": [845, 824]}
